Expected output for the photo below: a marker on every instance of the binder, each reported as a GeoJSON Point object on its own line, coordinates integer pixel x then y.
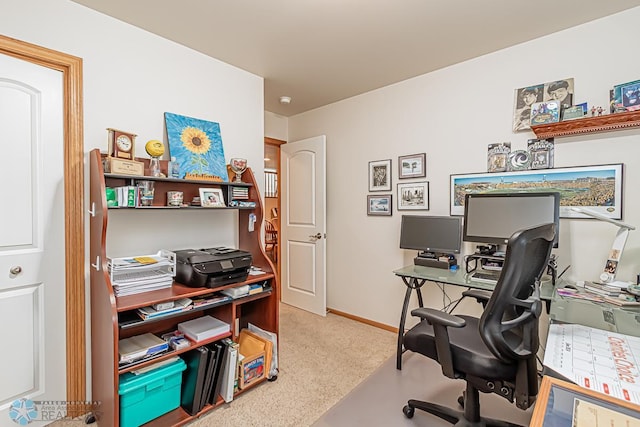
{"type": "Point", "coordinates": [193, 379]}
{"type": "Point", "coordinates": [208, 382]}
{"type": "Point", "coordinates": [217, 378]}
{"type": "Point", "coordinates": [229, 372]}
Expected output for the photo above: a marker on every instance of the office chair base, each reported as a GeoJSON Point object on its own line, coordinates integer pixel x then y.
{"type": "Point", "coordinates": [452, 416]}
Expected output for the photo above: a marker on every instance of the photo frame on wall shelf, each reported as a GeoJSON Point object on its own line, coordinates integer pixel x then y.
{"type": "Point", "coordinates": [413, 196]}
{"type": "Point", "coordinates": [380, 175]}
{"type": "Point", "coordinates": [525, 97]}
{"type": "Point", "coordinates": [412, 166]}
{"type": "Point", "coordinates": [379, 204]}
{"type": "Point", "coordinates": [212, 198]}
{"type": "Point", "coordinates": [545, 112]}
{"type": "Point", "coordinates": [578, 187]}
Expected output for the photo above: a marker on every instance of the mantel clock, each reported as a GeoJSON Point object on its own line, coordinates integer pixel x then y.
{"type": "Point", "coordinates": [121, 144]}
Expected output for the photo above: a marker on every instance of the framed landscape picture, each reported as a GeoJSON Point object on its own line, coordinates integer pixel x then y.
{"type": "Point", "coordinates": [379, 204]}
{"type": "Point", "coordinates": [598, 188]}
{"type": "Point", "coordinates": [380, 175]}
{"type": "Point", "coordinates": [413, 196]}
{"type": "Point", "coordinates": [412, 166]}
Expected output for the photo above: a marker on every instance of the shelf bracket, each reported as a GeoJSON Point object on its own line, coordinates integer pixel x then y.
{"type": "Point", "coordinates": [92, 211]}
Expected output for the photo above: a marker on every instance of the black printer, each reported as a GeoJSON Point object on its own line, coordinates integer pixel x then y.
{"type": "Point", "coordinates": [212, 267]}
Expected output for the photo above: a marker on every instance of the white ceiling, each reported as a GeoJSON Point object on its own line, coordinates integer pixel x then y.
{"type": "Point", "coordinates": [321, 51]}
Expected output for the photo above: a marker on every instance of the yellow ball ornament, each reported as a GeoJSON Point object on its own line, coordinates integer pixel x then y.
{"type": "Point", "coordinates": [154, 148]}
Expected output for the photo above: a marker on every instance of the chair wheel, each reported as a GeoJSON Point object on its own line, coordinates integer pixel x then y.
{"type": "Point", "coordinates": [272, 379]}
{"type": "Point", "coordinates": [90, 418]}
{"type": "Point", "coordinates": [408, 411]}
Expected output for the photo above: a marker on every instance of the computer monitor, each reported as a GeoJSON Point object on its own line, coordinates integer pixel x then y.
{"type": "Point", "coordinates": [493, 217]}
{"type": "Point", "coordinates": [437, 234]}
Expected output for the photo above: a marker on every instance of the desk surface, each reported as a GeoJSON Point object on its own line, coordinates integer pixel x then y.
{"type": "Point", "coordinates": [460, 278]}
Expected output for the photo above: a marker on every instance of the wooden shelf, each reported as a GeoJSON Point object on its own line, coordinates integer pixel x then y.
{"type": "Point", "coordinates": [606, 123]}
{"type": "Point", "coordinates": [107, 310]}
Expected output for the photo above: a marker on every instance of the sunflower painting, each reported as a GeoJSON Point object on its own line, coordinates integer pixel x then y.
{"type": "Point", "coordinates": [197, 146]}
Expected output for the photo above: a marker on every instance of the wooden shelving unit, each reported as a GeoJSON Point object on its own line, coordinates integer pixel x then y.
{"type": "Point", "coordinates": [107, 310]}
{"type": "Point", "coordinates": [606, 123]}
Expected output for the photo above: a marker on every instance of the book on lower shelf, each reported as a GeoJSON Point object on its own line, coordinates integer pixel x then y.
{"type": "Point", "coordinates": [140, 347]}
{"type": "Point", "coordinates": [203, 328]}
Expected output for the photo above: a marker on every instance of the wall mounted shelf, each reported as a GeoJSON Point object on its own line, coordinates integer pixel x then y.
{"type": "Point", "coordinates": [606, 123]}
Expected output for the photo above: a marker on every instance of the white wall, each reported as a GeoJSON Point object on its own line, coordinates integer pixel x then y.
{"type": "Point", "coordinates": [131, 77]}
{"type": "Point", "coordinates": [275, 126]}
{"type": "Point", "coordinates": [452, 115]}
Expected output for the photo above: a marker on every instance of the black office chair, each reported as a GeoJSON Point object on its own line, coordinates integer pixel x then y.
{"type": "Point", "coordinates": [497, 352]}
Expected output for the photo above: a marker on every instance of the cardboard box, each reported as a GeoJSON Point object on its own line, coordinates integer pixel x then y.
{"type": "Point", "coordinates": [252, 368]}
{"type": "Point", "coordinates": [257, 357]}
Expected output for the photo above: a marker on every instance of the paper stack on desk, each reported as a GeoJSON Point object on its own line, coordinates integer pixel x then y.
{"type": "Point", "coordinates": [599, 360]}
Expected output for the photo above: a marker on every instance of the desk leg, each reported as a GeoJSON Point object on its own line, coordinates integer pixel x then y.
{"type": "Point", "coordinates": [411, 283]}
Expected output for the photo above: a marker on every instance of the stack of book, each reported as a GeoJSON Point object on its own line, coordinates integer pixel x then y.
{"type": "Point", "coordinates": [602, 289]}
{"type": "Point", "coordinates": [240, 193]}
{"type": "Point", "coordinates": [138, 274]}
{"type": "Point", "coordinates": [140, 347]}
{"type": "Point", "coordinates": [147, 313]}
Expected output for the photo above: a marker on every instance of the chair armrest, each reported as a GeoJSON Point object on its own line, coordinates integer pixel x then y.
{"type": "Point", "coordinates": [437, 317]}
{"type": "Point", "coordinates": [480, 295]}
{"type": "Point", "coordinates": [441, 321]}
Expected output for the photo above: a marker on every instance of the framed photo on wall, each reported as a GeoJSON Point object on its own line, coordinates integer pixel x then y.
{"type": "Point", "coordinates": [380, 175]}
{"type": "Point", "coordinates": [379, 204]}
{"type": "Point", "coordinates": [597, 188]}
{"type": "Point", "coordinates": [413, 196]}
{"type": "Point", "coordinates": [412, 166]}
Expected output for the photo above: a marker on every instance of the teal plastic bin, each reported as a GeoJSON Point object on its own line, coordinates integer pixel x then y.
{"type": "Point", "coordinates": [147, 396]}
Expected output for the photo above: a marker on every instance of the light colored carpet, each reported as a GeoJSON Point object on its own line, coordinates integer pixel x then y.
{"type": "Point", "coordinates": [321, 360]}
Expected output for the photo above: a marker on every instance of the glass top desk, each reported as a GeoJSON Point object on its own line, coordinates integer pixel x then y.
{"type": "Point", "coordinates": [415, 276]}
{"type": "Point", "coordinates": [599, 315]}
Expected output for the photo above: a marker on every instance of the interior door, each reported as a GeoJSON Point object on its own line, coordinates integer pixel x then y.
{"type": "Point", "coordinates": [303, 224]}
{"type": "Point", "coordinates": [32, 240]}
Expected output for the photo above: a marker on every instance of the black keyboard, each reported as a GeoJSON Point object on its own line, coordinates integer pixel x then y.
{"type": "Point", "coordinates": [485, 277]}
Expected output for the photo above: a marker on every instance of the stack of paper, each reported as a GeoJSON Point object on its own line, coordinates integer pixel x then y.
{"type": "Point", "coordinates": [141, 274]}
{"type": "Point", "coordinates": [140, 347]}
{"type": "Point", "coordinates": [183, 304]}
{"type": "Point", "coordinates": [203, 328]}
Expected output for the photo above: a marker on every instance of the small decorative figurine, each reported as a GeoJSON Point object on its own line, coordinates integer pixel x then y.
{"type": "Point", "coordinates": [600, 111]}
{"type": "Point", "coordinates": [593, 111]}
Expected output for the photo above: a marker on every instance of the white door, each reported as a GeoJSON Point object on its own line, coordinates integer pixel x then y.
{"type": "Point", "coordinates": [303, 224]}
{"type": "Point", "coordinates": [32, 251]}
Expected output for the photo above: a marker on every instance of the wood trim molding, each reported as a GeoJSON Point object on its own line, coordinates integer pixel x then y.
{"type": "Point", "coordinates": [608, 122]}
{"type": "Point", "coordinates": [71, 68]}
{"type": "Point", "coordinates": [273, 141]}
{"type": "Point", "coordinates": [363, 320]}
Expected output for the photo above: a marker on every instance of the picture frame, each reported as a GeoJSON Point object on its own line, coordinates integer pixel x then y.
{"type": "Point", "coordinates": [577, 186]}
{"type": "Point", "coordinates": [212, 198]}
{"type": "Point", "coordinates": [545, 112]}
{"type": "Point", "coordinates": [413, 196]}
{"type": "Point", "coordinates": [379, 204]}
{"type": "Point", "coordinates": [197, 146]}
{"type": "Point", "coordinates": [525, 97]}
{"type": "Point", "coordinates": [412, 166]}
{"type": "Point", "coordinates": [380, 175]}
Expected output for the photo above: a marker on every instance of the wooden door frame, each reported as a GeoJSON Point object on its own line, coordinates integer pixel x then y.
{"type": "Point", "coordinates": [71, 68]}
{"type": "Point", "coordinates": [277, 143]}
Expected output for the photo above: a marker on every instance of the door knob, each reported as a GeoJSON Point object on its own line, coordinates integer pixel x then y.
{"type": "Point", "coordinates": [15, 270]}
{"type": "Point", "coordinates": [316, 236]}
